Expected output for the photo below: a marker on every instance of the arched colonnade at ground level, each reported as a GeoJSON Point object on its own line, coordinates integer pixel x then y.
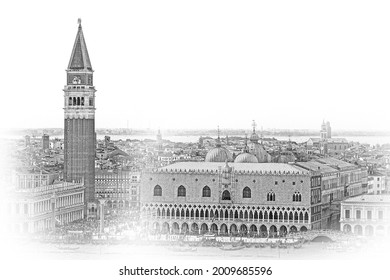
{"type": "Point", "coordinates": [248, 229]}
{"type": "Point", "coordinates": [253, 214]}
{"type": "Point", "coordinates": [367, 230]}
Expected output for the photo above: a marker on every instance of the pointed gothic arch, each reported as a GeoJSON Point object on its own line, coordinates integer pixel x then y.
{"type": "Point", "coordinates": [226, 195]}
{"type": "Point", "coordinates": [246, 192]}
{"type": "Point", "coordinates": [206, 192]}
{"type": "Point", "coordinates": [157, 191]}
{"type": "Point", "coordinates": [181, 191]}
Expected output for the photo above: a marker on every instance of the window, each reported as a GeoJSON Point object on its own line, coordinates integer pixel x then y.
{"type": "Point", "coordinates": [347, 214]}
{"type": "Point", "coordinates": [369, 215]}
{"type": "Point", "coordinates": [181, 191]}
{"type": "Point", "coordinates": [276, 182]}
{"type": "Point", "coordinates": [297, 196]}
{"type": "Point", "coordinates": [206, 192]}
{"type": "Point", "coordinates": [380, 215]}
{"type": "Point", "coordinates": [157, 191]}
{"type": "Point", "coordinates": [91, 101]}
{"type": "Point", "coordinates": [247, 193]}
{"type": "Point", "coordinates": [271, 196]}
{"type": "Point", "coordinates": [226, 195]}
{"type": "Point", "coordinates": [358, 214]}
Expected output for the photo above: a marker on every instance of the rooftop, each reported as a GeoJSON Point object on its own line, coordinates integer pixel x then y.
{"type": "Point", "coordinates": [316, 166]}
{"type": "Point", "coordinates": [251, 167]}
{"type": "Point", "coordinates": [335, 162]}
{"type": "Point", "coordinates": [366, 198]}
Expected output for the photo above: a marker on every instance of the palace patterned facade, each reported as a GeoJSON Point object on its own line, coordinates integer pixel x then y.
{"type": "Point", "coordinates": [227, 198]}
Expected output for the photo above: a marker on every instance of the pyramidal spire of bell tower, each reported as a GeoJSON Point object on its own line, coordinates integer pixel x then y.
{"type": "Point", "coordinates": [79, 60]}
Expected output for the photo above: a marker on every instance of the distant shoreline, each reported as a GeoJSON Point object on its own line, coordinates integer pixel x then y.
{"type": "Point", "coordinates": [196, 132]}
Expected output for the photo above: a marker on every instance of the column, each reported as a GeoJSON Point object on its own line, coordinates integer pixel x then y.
{"type": "Point", "coordinates": [101, 214]}
{"type": "Point", "coordinates": [53, 211]}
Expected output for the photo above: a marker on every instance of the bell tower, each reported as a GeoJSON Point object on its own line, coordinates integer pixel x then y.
{"type": "Point", "coordinates": [79, 126]}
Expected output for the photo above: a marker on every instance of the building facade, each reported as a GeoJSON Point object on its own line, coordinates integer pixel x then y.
{"type": "Point", "coordinates": [376, 182]}
{"type": "Point", "coordinates": [45, 142]}
{"type": "Point", "coordinates": [38, 201]}
{"type": "Point", "coordinates": [338, 180]}
{"type": "Point", "coordinates": [226, 198]}
{"type": "Point", "coordinates": [120, 188]}
{"type": "Point", "coordinates": [326, 144]}
{"type": "Point", "coordinates": [79, 117]}
{"type": "Point", "coordinates": [366, 215]}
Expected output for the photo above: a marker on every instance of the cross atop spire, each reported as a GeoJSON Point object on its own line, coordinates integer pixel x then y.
{"type": "Point", "coordinates": [79, 60]}
{"type": "Point", "coordinates": [218, 138]}
{"type": "Point", "coordinates": [254, 126]}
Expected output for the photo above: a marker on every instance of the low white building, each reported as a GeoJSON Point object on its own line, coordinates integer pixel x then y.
{"type": "Point", "coordinates": [366, 215]}
{"type": "Point", "coordinates": [376, 183]}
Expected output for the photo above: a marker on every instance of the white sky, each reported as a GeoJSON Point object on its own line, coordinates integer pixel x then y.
{"type": "Point", "coordinates": [199, 64]}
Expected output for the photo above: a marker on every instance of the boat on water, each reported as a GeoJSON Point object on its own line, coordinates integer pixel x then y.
{"type": "Point", "coordinates": [298, 245]}
{"type": "Point", "coordinates": [182, 249]}
{"type": "Point", "coordinates": [283, 245]}
{"type": "Point", "coordinates": [67, 247]}
{"type": "Point", "coordinates": [232, 248]}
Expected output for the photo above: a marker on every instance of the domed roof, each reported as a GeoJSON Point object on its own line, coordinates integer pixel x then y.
{"type": "Point", "coordinates": [254, 137]}
{"type": "Point", "coordinates": [246, 158]}
{"type": "Point", "coordinates": [218, 154]}
{"type": "Point", "coordinates": [257, 150]}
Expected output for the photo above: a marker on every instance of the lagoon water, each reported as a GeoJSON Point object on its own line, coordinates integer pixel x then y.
{"type": "Point", "coordinates": [373, 249]}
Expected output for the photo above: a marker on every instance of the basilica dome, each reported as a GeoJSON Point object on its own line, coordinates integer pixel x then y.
{"type": "Point", "coordinates": [259, 152]}
{"type": "Point", "coordinates": [246, 158]}
{"type": "Point", "coordinates": [218, 154]}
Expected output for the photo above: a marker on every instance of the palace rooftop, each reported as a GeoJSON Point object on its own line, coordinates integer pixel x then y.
{"type": "Point", "coordinates": [238, 167]}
